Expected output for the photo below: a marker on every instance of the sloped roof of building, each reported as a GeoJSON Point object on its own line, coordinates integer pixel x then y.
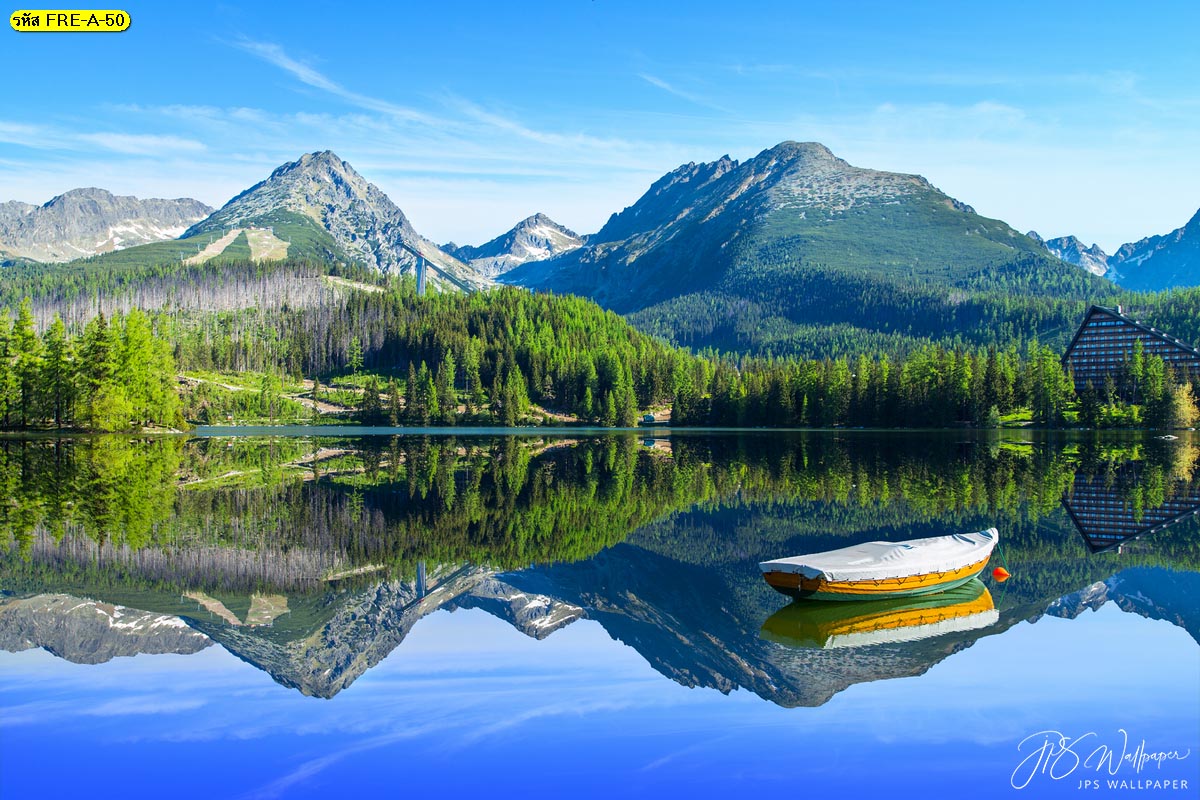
{"type": "Point", "coordinates": [1112, 312]}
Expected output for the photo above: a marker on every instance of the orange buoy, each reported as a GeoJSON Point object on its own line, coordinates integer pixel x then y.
{"type": "Point", "coordinates": [1000, 574]}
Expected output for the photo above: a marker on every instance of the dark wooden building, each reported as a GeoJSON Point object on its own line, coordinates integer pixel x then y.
{"type": "Point", "coordinates": [1104, 344]}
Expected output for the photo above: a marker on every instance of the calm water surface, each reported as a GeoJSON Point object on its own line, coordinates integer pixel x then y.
{"type": "Point", "coordinates": [582, 615]}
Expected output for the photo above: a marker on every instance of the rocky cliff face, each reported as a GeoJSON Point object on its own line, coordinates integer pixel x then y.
{"type": "Point", "coordinates": [85, 222]}
{"type": "Point", "coordinates": [90, 632]}
{"type": "Point", "coordinates": [367, 226]}
{"type": "Point", "coordinates": [536, 238]}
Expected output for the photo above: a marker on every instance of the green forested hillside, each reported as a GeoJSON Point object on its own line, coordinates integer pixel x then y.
{"type": "Point", "coordinates": [796, 309]}
{"type": "Point", "coordinates": [487, 351]}
{"type": "Point", "coordinates": [381, 353]}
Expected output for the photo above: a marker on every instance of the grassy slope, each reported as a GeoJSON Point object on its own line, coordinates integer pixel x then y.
{"type": "Point", "coordinates": [306, 240]}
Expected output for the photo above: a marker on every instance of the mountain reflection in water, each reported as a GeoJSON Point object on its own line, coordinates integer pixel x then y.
{"type": "Point", "coordinates": [312, 558]}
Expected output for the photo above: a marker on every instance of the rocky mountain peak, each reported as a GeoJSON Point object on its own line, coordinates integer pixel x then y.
{"type": "Point", "coordinates": [671, 197]}
{"type": "Point", "coordinates": [314, 179]}
{"type": "Point", "coordinates": [86, 194]}
{"type": "Point", "coordinates": [325, 162]}
{"type": "Point", "coordinates": [534, 238]}
{"type": "Point", "coordinates": [537, 219]}
{"type": "Point", "coordinates": [700, 223]}
{"type": "Point", "coordinates": [1070, 249]}
{"type": "Point", "coordinates": [802, 175]}
{"type": "Point", "coordinates": [363, 221]}
{"type": "Point", "coordinates": [802, 153]}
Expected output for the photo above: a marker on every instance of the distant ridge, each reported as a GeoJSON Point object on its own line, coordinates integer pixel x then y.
{"type": "Point", "coordinates": [1160, 262]}
{"type": "Point", "coordinates": [85, 222]}
{"type": "Point", "coordinates": [1069, 249]}
{"type": "Point", "coordinates": [1151, 264]}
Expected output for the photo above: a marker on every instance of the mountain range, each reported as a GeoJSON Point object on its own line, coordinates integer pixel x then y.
{"type": "Point", "coordinates": [1151, 264]}
{"type": "Point", "coordinates": [1070, 249]}
{"type": "Point", "coordinates": [90, 632]}
{"type": "Point", "coordinates": [792, 251]}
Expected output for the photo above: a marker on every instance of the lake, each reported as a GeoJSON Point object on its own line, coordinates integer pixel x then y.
{"type": "Point", "coordinates": [580, 613]}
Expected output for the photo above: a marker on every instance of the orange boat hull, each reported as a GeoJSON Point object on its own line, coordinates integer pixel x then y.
{"type": "Point", "coordinates": [797, 586]}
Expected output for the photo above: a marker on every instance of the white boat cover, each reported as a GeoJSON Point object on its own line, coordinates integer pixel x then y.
{"type": "Point", "coordinates": [879, 560]}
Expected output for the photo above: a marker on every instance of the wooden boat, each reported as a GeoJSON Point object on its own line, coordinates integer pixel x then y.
{"type": "Point", "coordinates": [881, 570]}
{"type": "Point", "coordinates": [825, 626]}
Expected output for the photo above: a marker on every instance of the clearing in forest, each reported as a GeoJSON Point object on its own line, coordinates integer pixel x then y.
{"type": "Point", "coordinates": [214, 249]}
{"type": "Point", "coordinates": [265, 245]}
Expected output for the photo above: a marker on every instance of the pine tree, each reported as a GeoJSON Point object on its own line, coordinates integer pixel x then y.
{"type": "Point", "coordinates": [410, 394]}
{"type": "Point", "coordinates": [371, 410]}
{"type": "Point", "coordinates": [624, 400]}
{"type": "Point", "coordinates": [1089, 406]}
{"type": "Point", "coordinates": [516, 397]}
{"type": "Point", "coordinates": [270, 395]}
{"type": "Point", "coordinates": [27, 367]}
{"type": "Point", "coordinates": [474, 383]}
{"type": "Point", "coordinates": [354, 355]}
{"type": "Point", "coordinates": [497, 398]}
{"type": "Point", "coordinates": [447, 395]}
{"type": "Point", "coordinates": [394, 411]}
{"type": "Point", "coordinates": [58, 374]}
{"type": "Point", "coordinates": [1183, 412]}
{"type": "Point", "coordinates": [426, 396]}
{"type": "Point", "coordinates": [135, 366]}
{"type": "Point", "coordinates": [102, 399]}
{"type": "Point", "coordinates": [8, 377]}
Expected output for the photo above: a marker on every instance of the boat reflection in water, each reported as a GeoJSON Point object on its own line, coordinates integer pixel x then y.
{"type": "Point", "coordinates": [826, 626]}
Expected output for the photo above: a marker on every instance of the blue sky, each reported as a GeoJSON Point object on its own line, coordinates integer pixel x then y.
{"type": "Point", "coordinates": [1064, 117]}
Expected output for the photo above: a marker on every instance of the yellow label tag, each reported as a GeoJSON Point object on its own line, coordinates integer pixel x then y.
{"type": "Point", "coordinates": [106, 21]}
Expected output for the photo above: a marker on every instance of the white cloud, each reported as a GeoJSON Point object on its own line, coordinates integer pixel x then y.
{"type": "Point", "coordinates": [276, 55]}
{"type": "Point", "coordinates": [140, 705]}
{"type": "Point", "coordinates": [141, 144]}
{"type": "Point", "coordinates": [680, 93]}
